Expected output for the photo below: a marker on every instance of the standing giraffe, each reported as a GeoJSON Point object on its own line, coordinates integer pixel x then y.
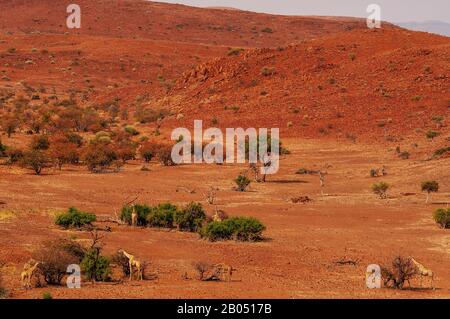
{"type": "Point", "coordinates": [132, 262]}
{"type": "Point", "coordinates": [134, 217]}
{"type": "Point", "coordinates": [28, 272]}
{"type": "Point", "coordinates": [322, 182]}
{"type": "Point", "coordinates": [423, 271]}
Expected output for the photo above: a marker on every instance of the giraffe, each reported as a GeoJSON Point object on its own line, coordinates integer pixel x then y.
{"type": "Point", "coordinates": [423, 271]}
{"type": "Point", "coordinates": [219, 215]}
{"type": "Point", "coordinates": [223, 269]}
{"type": "Point", "coordinates": [28, 272]}
{"type": "Point", "coordinates": [134, 217]}
{"type": "Point", "coordinates": [322, 182]}
{"type": "Point", "coordinates": [132, 262]}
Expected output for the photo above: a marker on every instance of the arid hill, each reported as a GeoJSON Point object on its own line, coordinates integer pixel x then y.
{"type": "Point", "coordinates": [373, 83]}
{"type": "Point", "coordinates": [132, 48]}
{"type": "Point", "coordinates": [138, 19]}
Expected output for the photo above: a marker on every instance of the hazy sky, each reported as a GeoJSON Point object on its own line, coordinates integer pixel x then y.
{"type": "Point", "coordinates": [391, 10]}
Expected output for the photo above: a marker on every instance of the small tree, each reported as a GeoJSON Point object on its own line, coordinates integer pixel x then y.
{"type": "Point", "coordinates": [242, 182]}
{"type": "Point", "coordinates": [164, 155]}
{"type": "Point", "coordinates": [14, 155]}
{"type": "Point", "coordinates": [430, 187]}
{"type": "Point", "coordinates": [99, 157]}
{"type": "Point", "coordinates": [402, 270]}
{"type": "Point", "coordinates": [148, 150]}
{"type": "Point", "coordinates": [432, 135]}
{"type": "Point", "coordinates": [95, 266]}
{"type": "Point", "coordinates": [162, 215]}
{"type": "Point", "coordinates": [380, 189]}
{"type": "Point", "coordinates": [2, 149]}
{"type": "Point", "coordinates": [40, 142]}
{"type": "Point", "coordinates": [35, 160]}
{"type": "Point", "coordinates": [55, 256]}
{"type": "Point", "coordinates": [191, 217]}
{"type": "Point", "coordinates": [75, 218]}
{"type": "Point", "coordinates": [9, 124]}
{"type": "Point", "coordinates": [442, 217]}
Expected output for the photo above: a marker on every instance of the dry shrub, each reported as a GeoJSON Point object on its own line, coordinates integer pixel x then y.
{"type": "Point", "coordinates": [401, 270]}
{"type": "Point", "coordinates": [202, 269]}
{"type": "Point", "coordinates": [54, 257]}
{"type": "Point", "coordinates": [120, 260]}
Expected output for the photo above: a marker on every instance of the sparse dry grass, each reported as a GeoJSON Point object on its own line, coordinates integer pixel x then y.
{"type": "Point", "coordinates": [6, 215]}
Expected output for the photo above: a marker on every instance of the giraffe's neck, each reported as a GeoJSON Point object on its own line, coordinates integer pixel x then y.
{"type": "Point", "coordinates": [127, 255]}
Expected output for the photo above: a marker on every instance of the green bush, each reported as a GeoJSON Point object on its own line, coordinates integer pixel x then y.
{"type": "Point", "coordinates": [131, 130]}
{"type": "Point", "coordinates": [47, 296]}
{"type": "Point", "coordinates": [191, 217]}
{"type": "Point", "coordinates": [162, 215]}
{"type": "Point", "coordinates": [380, 189]}
{"type": "Point", "coordinates": [432, 134]}
{"type": "Point", "coordinates": [242, 183]}
{"type": "Point", "coordinates": [216, 231]}
{"type": "Point", "coordinates": [404, 155]}
{"type": "Point", "coordinates": [35, 160]}
{"type": "Point", "coordinates": [142, 211]}
{"type": "Point", "coordinates": [239, 228]}
{"type": "Point", "coordinates": [442, 217]}
{"type": "Point", "coordinates": [247, 228]}
{"type": "Point", "coordinates": [95, 266]}
{"type": "Point", "coordinates": [14, 155]}
{"type": "Point", "coordinates": [430, 186]}
{"type": "Point", "coordinates": [75, 218]}
{"type": "Point", "coordinates": [2, 149]}
{"type": "Point", "coordinates": [40, 142]}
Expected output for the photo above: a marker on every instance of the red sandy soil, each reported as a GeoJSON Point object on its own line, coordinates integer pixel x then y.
{"type": "Point", "coordinates": [177, 57]}
{"type": "Point", "coordinates": [303, 241]}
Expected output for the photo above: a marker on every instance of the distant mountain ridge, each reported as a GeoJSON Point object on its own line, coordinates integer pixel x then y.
{"type": "Point", "coordinates": [438, 27]}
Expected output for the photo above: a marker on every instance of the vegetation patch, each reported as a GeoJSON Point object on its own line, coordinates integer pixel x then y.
{"type": "Point", "coordinates": [75, 218]}
{"type": "Point", "coordinates": [142, 211]}
{"type": "Point", "coordinates": [6, 215]}
{"type": "Point", "coordinates": [162, 215]}
{"type": "Point", "coordinates": [442, 217]}
{"type": "Point", "coordinates": [191, 217]}
{"type": "Point", "coordinates": [238, 228]}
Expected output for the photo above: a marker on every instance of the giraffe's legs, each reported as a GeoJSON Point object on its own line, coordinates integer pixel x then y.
{"type": "Point", "coordinates": [131, 270]}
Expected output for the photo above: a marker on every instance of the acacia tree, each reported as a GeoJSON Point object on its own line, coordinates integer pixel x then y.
{"type": "Point", "coordinates": [99, 156]}
{"type": "Point", "coordinates": [380, 189]}
{"type": "Point", "coordinates": [63, 152]}
{"type": "Point", "coordinates": [35, 160]}
{"type": "Point", "coordinates": [9, 124]}
{"type": "Point", "coordinates": [430, 187]}
{"type": "Point", "coordinates": [124, 146]}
